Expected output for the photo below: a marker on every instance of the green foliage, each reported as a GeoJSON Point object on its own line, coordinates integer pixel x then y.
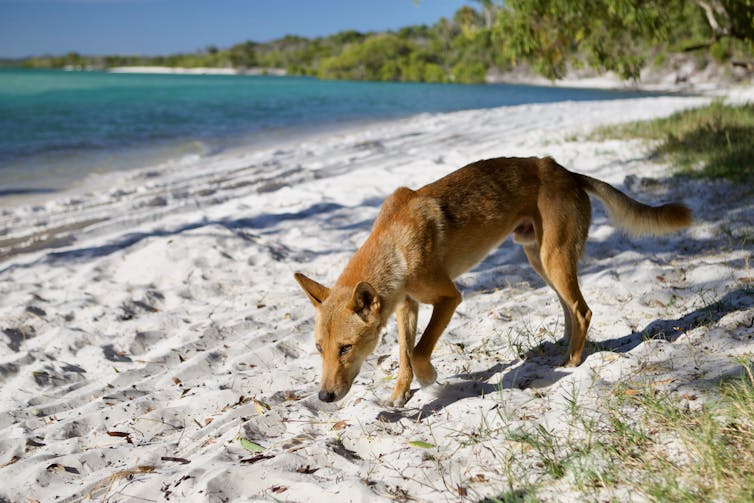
{"type": "Point", "coordinates": [714, 141]}
{"type": "Point", "coordinates": [617, 35]}
{"type": "Point", "coordinates": [610, 34]}
{"type": "Point", "coordinates": [458, 51]}
{"type": "Point", "coordinates": [739, 16]}
{"type": "Point", "coordinates": [365, 60]}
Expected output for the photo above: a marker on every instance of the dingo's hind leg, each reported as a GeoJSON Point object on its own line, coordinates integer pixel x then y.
{"type": "Point", "coordinates": [532, 253]}
{"type": "Point", "coordinates": [564, 228]}
{"type": "Point", "coordinates": [562, 273]}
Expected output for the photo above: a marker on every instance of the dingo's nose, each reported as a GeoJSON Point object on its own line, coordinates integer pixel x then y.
{"type": "Point", "coordinates": [327, 396]}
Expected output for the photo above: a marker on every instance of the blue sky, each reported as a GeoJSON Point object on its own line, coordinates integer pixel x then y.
{"type": "Point", "coordinates": [35, 27]}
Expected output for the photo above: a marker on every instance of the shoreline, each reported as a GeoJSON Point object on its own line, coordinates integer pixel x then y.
{"type": "Point", "coordinates": [684, 79]}
{"type": "Point", "coordinates": [170, 70]}
{"type": "Point", "coordinates": [154, 343]}
{"type": "Point", "coordinates": [681, 80]}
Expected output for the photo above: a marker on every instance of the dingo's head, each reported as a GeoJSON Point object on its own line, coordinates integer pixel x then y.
{"type": "Point", "coordinates": [346, 330]}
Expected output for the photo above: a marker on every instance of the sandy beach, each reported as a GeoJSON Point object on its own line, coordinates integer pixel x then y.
{"type": "Point", "coordinates": [155, 346]}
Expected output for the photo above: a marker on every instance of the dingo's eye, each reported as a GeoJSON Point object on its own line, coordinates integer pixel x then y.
{"type": "Point", "coordinates": [319, 348]}
{"type": "Point", "coordinates": [345, 349]}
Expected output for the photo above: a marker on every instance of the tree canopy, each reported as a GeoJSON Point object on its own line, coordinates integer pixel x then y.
{"type": "Point", "coordinates": [619, 35]}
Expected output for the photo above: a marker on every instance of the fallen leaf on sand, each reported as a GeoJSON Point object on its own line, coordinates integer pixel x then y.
{"type": "Point", "coordinates": [121, 434]}
{"type": "Point", "coordinates": [521, 446]}
{"type": "Point", "coordinates": [249, 445]}
{"type": "Point", "coordinates": [420, 444]}
{"type": "Point", "coordinates": [664, 381]}
{"type": "Point", "coordinates": [260, 406]}
{"type": "Point", "coordinates": [291, 395]}
{"type": "Point", "coordinates": [253, 459]}
{"type": "Point", "coordinates": [340, 425]}
{"type": "Point", "coordinates": [183, 461]}
{"type": "Point", "coordinates": [57, 467]}
{"type": "Point", "coordinates": [306, 469]}
{"type": "Point", "coordinates": [278, 489]}
{"type": "Point", "coordinates": [10, 462]}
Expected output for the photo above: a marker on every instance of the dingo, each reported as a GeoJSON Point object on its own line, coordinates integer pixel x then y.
{"type": "Point", "coordinates": [424, 239]}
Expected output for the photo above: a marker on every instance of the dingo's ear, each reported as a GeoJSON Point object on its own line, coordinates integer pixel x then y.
{"type": "Point", "coordinates": [365, 300]}
{"type": "Point", "coordinates": [317, 293]}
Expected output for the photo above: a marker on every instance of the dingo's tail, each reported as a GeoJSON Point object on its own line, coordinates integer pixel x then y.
{"type": "Point", "coordinates": [637, 218]}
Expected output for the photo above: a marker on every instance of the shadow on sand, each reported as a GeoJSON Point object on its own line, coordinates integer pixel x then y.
{"type": "Point", "coordinates": [25, 191]}
{"type": "Point", "coordinates": [541, 361]}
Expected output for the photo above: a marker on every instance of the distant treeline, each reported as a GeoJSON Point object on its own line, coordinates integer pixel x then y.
{"type": "Point", "coordinates": [458, 49]}
{"type": "Point", "coordinates": [548, 35]}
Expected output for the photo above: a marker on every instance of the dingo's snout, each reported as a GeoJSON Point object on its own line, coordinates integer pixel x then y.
{"type": "Point", "coordinates": [327, 396]}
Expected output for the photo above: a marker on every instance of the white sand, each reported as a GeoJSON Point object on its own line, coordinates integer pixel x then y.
{"type": "Point", "coordinates": [161, 308]}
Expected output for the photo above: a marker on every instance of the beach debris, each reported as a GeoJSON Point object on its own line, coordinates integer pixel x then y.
{"type": "Point", "coordinates": [291, 395]}
{"type": "Point", "coordinates": [57, 467]}
{"type": "Point", "coordinates": [122, 474]}
{"type": "Point", "coordinates": [421, 444]}
{"type": "Point", "coordinates": [182, 461]}
{"type": "Point", "coordinates": [10, 462]}
{"type": "Point", "coordinates": [256, 458]}
{"type": "Point", "coordinates": [121, 434]}
{"type": "Point", "coordinates": [206, 422]}
{"type": "Point", "coordinates": [250, 446]}
{"type": "Point", "coordinates": [260, 406]}
{"type": "Point", "coordinates": [306, 469]}
{"type": "Point", "coordinates": [115, 355]}
{"type": "Point", "coordinates": [338, 448]}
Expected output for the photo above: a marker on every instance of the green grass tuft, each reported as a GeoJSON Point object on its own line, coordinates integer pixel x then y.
{"type": "Point", "coordinates": [643, 443]}
{"type": "Point", "coordinates": [714, 141]}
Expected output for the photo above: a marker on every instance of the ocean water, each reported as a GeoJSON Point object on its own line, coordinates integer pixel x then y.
{"type": "Point", "coordinates": [57, 126]}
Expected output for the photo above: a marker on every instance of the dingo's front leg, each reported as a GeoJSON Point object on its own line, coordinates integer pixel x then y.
{"type": "Point", "coordinates": [406, 313]}
{"type": "Point", "coordinates": [444, 304]}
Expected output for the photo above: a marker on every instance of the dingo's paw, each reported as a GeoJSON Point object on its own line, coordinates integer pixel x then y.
{"type": "Point", "coordinates": [425, 374]}
{"type": "Point", "coordinates": [398, 398]}
{"type": "Point", "coordinates": [571, 362]}
{"type": "Point", "coordinates": [393, 402]}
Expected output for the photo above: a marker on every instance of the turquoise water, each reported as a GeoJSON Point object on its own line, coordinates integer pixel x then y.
{"type": "Point", "coordinates": [56, 126]}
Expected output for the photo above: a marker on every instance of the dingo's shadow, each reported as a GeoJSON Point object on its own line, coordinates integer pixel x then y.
{"type": "Point", "coordinates": [540, 366]}
{"type": "Point", "coordinates": [670, 330]}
